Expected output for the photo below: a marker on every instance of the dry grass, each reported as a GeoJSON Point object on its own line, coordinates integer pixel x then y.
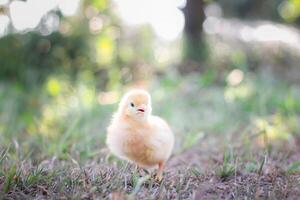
{"type": "Point", "coordinates": [193, 174]}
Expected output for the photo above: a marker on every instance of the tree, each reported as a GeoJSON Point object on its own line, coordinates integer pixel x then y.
{"type": "Point", "coordinates": [194, 48]}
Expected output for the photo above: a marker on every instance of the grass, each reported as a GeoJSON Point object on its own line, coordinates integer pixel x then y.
{"type": "Point", "coordinates": [227, 168]}
{"type": "Point", "coordinates": [232, 142]}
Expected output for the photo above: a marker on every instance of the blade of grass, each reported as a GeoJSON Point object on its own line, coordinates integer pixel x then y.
{"type": "Point", "coordinates": [67, 134]}
{"type": "Point", "coordinates": [138, 186]}
{"type": "Point", "coordinates": [3, 154]}
{"type": "Point", "coordinates": [294, 167]}
{"type": "Point", "coordinates": [261, 166]}
{"type": "Point", "coordinates": [9, 179]}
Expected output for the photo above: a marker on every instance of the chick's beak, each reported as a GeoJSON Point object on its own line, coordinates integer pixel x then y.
{"type": "Point", "coordinates": [141, 109]}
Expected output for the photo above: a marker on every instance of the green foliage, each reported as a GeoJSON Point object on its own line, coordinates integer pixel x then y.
{"type": "Point", "coordinates": [138, 185]}
{"type": "Point", "coordinates": [294, 167]}
{"type": "Point", "coordinates": [78, 46]}
{"type": "Point", "coordinates": [289, 10]}
{"type": "Point", "coordinates": [30, 58]}
{"type": "Point", "coordinates": [251, 167]}
{"type": "Point", "coordinates": [9, 179]}
{"type": "Point", "coordinates": [191, 139]}
{"type": "Point", "coordinates": [228, 168]}
{"type": "Point", "coordinates": [253, 9]}
{"type": "Point", "coordinates": [239, 60]}
{"type": "Point", "coordinates": [208, 78]}
{"type": "Point", "coordinates": [100, 4]}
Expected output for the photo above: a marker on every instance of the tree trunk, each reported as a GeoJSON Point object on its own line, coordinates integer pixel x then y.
{"type": "Point", "coordinates": [194, 17]}
{"type": "Point", "coordinates": [194, 46]}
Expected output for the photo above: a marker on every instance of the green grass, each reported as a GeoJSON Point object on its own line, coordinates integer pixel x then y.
{"type": "Point", "coordinates": [230, 140]}
{"type": "Point", "coordinates": [227, 168]}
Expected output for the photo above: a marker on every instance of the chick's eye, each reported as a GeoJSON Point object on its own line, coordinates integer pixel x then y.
{"type": "Point", "coordinates": [131, 104]}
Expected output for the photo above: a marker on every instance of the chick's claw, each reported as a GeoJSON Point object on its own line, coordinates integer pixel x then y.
{"type": "Point", "coordinates": [159, 177]}
{"type": "Point", "coordinates": [159, 174]}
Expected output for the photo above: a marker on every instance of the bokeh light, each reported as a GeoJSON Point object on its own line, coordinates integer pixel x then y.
{"type": "Point", "coordinates": [164, 16]}
{"type": "Point", "coordinates": [26, 15]}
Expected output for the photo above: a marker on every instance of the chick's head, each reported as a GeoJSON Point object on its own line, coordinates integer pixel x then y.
{"type": "Point", "coordinates": [136, 104]}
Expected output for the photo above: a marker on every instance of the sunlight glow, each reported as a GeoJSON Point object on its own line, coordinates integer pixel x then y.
{"type": "Point", "coordinates": [273, 127]}
{"type": "Point", "coordinates": [241, 91]}
{"type": "Point", "coordinates": [95, 25]}
{"type": "Point", "coordinates": [247, 32]}
{"type": "Point", "coordinates": [162, 55]}
{"type": "Point", "coordinates": [68, 7]}
{"type": "Point", "coordinates": [51, 23]}
{"type": "Point", "coordinates": [3, 2]}
{"type": "Point", "coordinates": [4, 22]}
{"type": "Point", "coordinates": [235, 77]}
{"type": "Point", "coordinates": [164, 16]}
{"type": "Point", "coordinates": [213, 10]}
{"type": "Point", "coordinates": [211, 25]}
{"type": "Point", "coordinates": [28, 14]}
{"type": "Point", "coordinates": [53, 87]}
{"type": "Point", "coordinates": [270, 32]}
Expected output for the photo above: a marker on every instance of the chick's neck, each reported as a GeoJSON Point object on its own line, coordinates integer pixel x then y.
{"type": "Point", "coordinates": [134, 121]}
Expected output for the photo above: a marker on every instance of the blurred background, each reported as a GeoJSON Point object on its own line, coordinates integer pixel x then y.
{"type": "Point", "coordinates": [214, 67]}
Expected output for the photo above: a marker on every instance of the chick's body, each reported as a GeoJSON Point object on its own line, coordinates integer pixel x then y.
{"type": "Point", "coordinates": [137, 136]}
{"type": "Point", "coordinates": [146, 144]}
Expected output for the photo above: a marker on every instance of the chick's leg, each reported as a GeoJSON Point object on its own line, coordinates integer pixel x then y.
{"type": "Point", "coordinates": [159, 175]}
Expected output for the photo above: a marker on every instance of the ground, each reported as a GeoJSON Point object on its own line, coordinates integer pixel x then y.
{"type": "Point", "coordinates": [232, 142]}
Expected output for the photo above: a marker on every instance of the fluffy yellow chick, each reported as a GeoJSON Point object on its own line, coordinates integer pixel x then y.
{"type": "Point", "coordinates": [137, 136]}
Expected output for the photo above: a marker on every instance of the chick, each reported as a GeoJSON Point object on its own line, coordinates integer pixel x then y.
{"type": "Point", "coordinates": [137, 136]}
